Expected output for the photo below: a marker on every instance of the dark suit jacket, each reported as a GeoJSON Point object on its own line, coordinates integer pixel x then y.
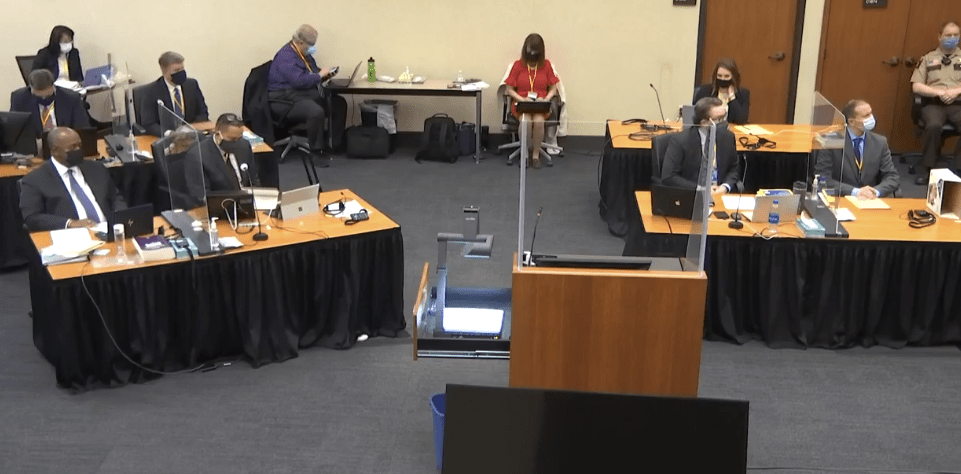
{"type": "Point", "coordinates": [682, 162]}
{"type": "Point", "coordinates": [877, 168]}
{"type": "Point", "coordinates": [68, 108]}
{"type": "Point", "coordinates": [46, 203]}
{"type": "Point", "coordinates": [206, 170]}
{"type": "Point", "coordinates": [47, 59]}
{"type": "Point", "coordinates": [737, 109]}
{"type": "Point", "coordinates": [195, 107]}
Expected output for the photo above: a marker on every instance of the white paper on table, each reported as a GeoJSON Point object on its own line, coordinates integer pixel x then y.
{"type": "Point", "coordinates": [353, 207]}
{"type": "Point", "coordinates": [78, 237]}
{"type": "Point", "coordinates": [475, 86]}
{"type": "Point", "coordinates": [731, 202]}
{"type": "Point", "coordinates": [843, 214]}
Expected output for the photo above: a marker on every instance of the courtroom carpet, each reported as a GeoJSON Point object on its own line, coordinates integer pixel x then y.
{"type": "Point", "coordinates": [365, 410]}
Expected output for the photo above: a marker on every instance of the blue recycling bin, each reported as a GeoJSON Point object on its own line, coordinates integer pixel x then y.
{"type": "Point", "coordinates": [437, 404]}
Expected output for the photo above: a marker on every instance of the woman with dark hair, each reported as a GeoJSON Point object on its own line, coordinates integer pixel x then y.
{"type": "Point", "coordinates": [60, 56]}
{"type": "Point", "coordinates": [532, 78]}
{"type": "Point", "coordinates": [726, 85]}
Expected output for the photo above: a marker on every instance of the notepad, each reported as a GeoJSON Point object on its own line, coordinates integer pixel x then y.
{"type": "Point", "coordinates": [867, 203]}
{"type": "Point", "coordinates": [843, 214]}
{"type": "Point", "coordinates": [752, 130]}
{"type": "Point", "coordinates": [731, 202]}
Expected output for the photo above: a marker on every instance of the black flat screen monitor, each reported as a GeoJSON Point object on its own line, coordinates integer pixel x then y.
{"type": "Point", "coordinates": [17, 133]}
{"type": "Point", "coordinates": [530, 431]}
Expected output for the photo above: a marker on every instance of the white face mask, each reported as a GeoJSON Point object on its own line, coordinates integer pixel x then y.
{"type": "Point", "coordinates": [66, 47]}
{"type": "Point", "coordinates": [869, 123]}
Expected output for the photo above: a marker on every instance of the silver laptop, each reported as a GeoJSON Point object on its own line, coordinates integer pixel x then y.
{"type": "Point", "coordinates": [345, 82]}
{"type": "Point", "coordinates": [300, 202]}
{"type": "Point", "coordinates": [787, 208]}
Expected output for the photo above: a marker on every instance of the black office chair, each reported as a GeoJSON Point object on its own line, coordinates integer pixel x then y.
{"type": "Point", "coordinates": [169, 155]}
{"type": "Point", "coordinates": [25, 63]}
{"type": "Point", "coordinates": [258, 116]}
{"type": "Point", "coordinates": [947, 131]}
{"type": "Point", "coordinates": [510, 124]}
{"type": "Point", "coordinates": [658, 150]}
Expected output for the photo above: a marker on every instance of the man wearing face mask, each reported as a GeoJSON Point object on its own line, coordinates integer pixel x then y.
{"type": "Point", "coordinates": [294, 84]}
{"type": "Point", "coordinates": [217, 163]}
{"type": "Point", "coordinates": [686, 151]}
{"type": "Point", "coordinates": [179, 94]}
{"type": "Point", "coordinates": [938, 80]}
{"type": "Point", "coordinates": [49, 105]}
{"type": "Point", "coordinates": [867, 170]}
{"type": "Point", "coordinates": [67, 191]}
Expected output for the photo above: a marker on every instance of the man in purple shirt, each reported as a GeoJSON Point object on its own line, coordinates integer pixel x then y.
{"type": "Point", "coordinates": [295, 77]}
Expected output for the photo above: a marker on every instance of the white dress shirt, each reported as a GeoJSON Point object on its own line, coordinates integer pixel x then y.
{"type": "Point", "coordinates": [78, 175]}
{"type": "Point", "coordinates": [64, 68]}
{"type": "Point", "coordinates": [232, 162]}
{"type": "Point", "coordinates": [173, 99]}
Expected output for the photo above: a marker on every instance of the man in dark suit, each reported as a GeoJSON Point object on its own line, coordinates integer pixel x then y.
{"type": "Point", "coordinates": [686, 151]}
{"type": "Point", "coordinates": [67, 191]}
{"type": "Point", "coordinates": [50, 106]}
{"type": "Point", "coordinates": [178, 93]}
{"type": "Point", "coordinates": [217, 163]}
{"type": "Point", "coordinates": [865, 165]}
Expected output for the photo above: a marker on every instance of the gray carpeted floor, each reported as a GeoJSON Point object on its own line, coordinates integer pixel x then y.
{"type": "Point", "coordinates": [365, 410]}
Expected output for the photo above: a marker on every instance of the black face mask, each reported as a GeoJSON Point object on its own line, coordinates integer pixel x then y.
{"type": "Point", "coordinates": [723, 83]}
{"type": "Point", "coordinates": [74, 158]}
{"type": "Point", "coordinates": [179, 78]}
{"type": "Point", "coordinates": [231, 146]}
{"type": "Point", "coordinates": [46, 101]}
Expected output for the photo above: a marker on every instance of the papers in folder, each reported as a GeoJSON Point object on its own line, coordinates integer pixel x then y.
{"type": "Point", "coordinates": [69, 245]}
{"type": "Point", "coordinates": [752, 130]}
{"type": "Point", "coordinates": [731, 202]}
{"type": "Point", "coordinates": [867, 203]}
{"type": "Point", "coordinates": [265, 199]}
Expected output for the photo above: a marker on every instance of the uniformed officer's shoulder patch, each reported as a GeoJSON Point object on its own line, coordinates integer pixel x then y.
{"type": "Point", "coordinates": [934, 62]}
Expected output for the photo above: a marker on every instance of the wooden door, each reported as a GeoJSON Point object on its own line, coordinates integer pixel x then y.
{"type": "Point", "coordinates": [761, 36]}
{"type": "Point", "coordinates": [861, 56]}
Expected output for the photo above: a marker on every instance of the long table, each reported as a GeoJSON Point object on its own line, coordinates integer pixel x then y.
{"type": "Point", "coordinates": [888, 284]}
{"type": "Point", "coordinates": [314, 282]}
{"type": "Point", "coordinates": [626, 166]}
{"type": "Point", "coordinates": [137, 183]}
{"type": "Point", "coordinates": [430, 87]}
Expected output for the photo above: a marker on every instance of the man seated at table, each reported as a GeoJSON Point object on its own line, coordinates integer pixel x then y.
{"type": "Point", "coordinates": [216, 164]}
{"type": "Point", "coordinates": [687, 150]}
{"type": "Point", "coordinates": [937, 79]}
{"type": "Point", "coordinates": [67, 191]}
{"type": "Point", "coordinates": [294, 77]}
{"type": "Point", "coordinates": [868, 171]}
{"type": "Point", "coordinates": [178, 93]}
{"type": "Point", "coordinates": [51, 106]}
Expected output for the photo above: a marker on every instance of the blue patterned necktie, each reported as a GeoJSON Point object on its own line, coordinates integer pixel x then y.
{"type": "Point", "coordinates": [85, 201]}
{"type": "Point", "coordinates": [178, 103]}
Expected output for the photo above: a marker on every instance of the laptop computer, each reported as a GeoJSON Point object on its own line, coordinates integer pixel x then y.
{"type": "Point", "coordinates": [298, 203]}
{"type": "Point", "coordinates": [672, 202]}
{"type": "Point", "coordinates": [788, 206]}
{"type": "Point", "coordinates": [345, 82]}
{"type": "Point", "coordinates": [88, 142]}
{"type": "Point", "coordinates": [137, 221]}
{"type": "Point", "coordinates": [233, 206]}
{"type": "Point", "coordinates": [94, 76]}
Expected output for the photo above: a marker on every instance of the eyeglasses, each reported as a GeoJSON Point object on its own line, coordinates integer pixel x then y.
{"type": "Point", "coordinates": [230, 120]}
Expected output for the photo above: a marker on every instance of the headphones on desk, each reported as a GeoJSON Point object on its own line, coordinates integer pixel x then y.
{"type": "Point", "coordinates": [920, 219]}
{"type": "Point", "coordinates": [761, 143]}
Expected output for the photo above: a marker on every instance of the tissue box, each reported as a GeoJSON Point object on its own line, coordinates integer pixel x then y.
{"type": "Point", "coordinates": [944, 193]}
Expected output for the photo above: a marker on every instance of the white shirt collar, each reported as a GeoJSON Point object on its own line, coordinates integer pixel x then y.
{"type": "Point", "coordinates": [61, 169]}
{"type": "Point", "coordinates": [855, 135]}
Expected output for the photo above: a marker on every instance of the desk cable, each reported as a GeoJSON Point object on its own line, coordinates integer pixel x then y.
{"type": "Point", "coordinates": [847, 470]}
{"type": "Point", "coordinates": [205, 367]}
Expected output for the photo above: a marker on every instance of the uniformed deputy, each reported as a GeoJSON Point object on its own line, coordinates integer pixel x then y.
{"type": "Point", "coordinates": [938, 80]}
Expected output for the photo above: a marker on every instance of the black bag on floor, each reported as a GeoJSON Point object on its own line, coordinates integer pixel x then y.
{"type": "Point", "coordinates": [439, 141]}
{"type": "Point", "coordinates": [466, 138]}
{"type": "Point", "coordinates": [367, 142]}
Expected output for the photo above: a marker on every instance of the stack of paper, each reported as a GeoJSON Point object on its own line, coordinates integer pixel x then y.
{"type": "Point", "coordinates": [867, 203]}
{"type": "Point", "coordinates": [69, 245]}
{"type": "Point", "coordinates": [752, 130]}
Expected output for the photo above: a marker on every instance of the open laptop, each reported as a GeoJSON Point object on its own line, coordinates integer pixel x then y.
{"type": "Point", "coordinates": [787, 208]}
{"type": "Point", "coordinates": [94, 76]}
{"type": "Point", "coordinates": [672, 202]}
{"type": "Point", "coordinates": [88, 142]}
{"type": "Point", "coordinates": [137, 221]}
{"type": "Point", "coordinates": [345, 82]}
{"type": "Point", "coordinates": [265, 199]}
{"type": "Point", "coordinates": [298, 203]}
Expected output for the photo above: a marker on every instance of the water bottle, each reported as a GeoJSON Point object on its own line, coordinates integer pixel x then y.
{"type": "Point", "coordinates": [214, 235]}
{"type": "Point", "coordinates": [118, 239]}
{"type": "Point", "coordinates": [815, 185]}
{"type": "Point", "coordinates": [773, 218]}
{"type": "Point", "coordinates": [460, 77]}
{"type": "Point", "coordinates": [371, 70]}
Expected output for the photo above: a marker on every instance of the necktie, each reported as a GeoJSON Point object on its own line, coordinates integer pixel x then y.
{"type": "Point", "coordinates": [178, 103]}
{"type": "Point", "coordinates": [857, 151]}
{"type": "Point", "coordinates": [85, 201]}
{"type": "Point", "coordinates": [45, 116]}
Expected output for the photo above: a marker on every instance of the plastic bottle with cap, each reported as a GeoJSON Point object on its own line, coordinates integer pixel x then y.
{"type": "Point", "coordinates": [371, 70]}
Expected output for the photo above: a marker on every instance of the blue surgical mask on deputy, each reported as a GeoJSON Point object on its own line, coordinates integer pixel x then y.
{"type": "Point", "coordinates": [869, 123]}
{"type": "Point", "coordinates": [312, 49]}
{"type": "Point", "coordinates": [949, 43]}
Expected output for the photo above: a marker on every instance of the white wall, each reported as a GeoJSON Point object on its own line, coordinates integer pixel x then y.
{"type": "Point", "coordinates": [607, 52]}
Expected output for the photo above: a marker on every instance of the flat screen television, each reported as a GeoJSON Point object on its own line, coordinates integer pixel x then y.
{"type": "Point", "coordinates": [511, 430]}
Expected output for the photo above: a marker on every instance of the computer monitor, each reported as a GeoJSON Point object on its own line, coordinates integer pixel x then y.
{"type": "Point", "coordinates": [17, 133]}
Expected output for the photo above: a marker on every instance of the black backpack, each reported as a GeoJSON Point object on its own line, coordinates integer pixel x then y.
{"type": "Point", "coordinates": [439, 142]}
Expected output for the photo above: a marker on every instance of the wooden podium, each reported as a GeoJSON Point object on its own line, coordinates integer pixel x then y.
{"type": "Point", "coordinates": [607, 330]}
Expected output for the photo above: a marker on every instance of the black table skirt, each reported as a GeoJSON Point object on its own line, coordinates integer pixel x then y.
{"type": "Point", "coordinates": [262, 306]}
{"type": "Point", "coordinates": [15, 245]}
{"type": "Point", "coordinates": [626, 170]}
{"type": "Point", "coordinates": [824, 293]}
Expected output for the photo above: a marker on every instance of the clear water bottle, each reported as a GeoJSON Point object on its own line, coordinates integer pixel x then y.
{"type": "Point", "coordinates": [119, 241]}
{"type": "Point", "coordinates": [460, 77]}
{"type": "Point", "coordinates": [214, 235]}
{"type": "Point", "coordinates": [773, 218]}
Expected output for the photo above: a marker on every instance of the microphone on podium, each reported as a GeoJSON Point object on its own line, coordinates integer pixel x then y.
{"type": "Point", "coordinates": [260, 235]}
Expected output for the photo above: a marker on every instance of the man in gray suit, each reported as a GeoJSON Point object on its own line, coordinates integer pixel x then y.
{"type": "Point", "coordinates": [868, 171]}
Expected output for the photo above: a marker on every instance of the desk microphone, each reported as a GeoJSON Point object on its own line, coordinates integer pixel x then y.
{"type": "Point", "coordinates": [530, 260]}
{"type": "Point", "coordinates": [260, 235]}
{"type": "Point", "coordinates": [665, 126]}
{"type": "Point", "coordinates": [736, 223]}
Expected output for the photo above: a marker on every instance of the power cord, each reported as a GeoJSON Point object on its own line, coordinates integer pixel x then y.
{"type": "Point", "coordinates": [847, 469]}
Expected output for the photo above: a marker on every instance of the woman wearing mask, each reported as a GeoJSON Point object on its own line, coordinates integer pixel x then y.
{"type": "Point", "coordinates": [60, 56]}
{"type": "Point", "coordinates": [726, 85]}
{"type": "Point", "coordinates": [532, 78]}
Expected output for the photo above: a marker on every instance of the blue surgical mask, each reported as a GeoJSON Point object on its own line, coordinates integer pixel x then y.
{"type": "Point", "coordinates": [869, 123]}
{"type": "Point", "coordinates": [312, 49]}
{"type": "Point", "coordinates": [949, 43]}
